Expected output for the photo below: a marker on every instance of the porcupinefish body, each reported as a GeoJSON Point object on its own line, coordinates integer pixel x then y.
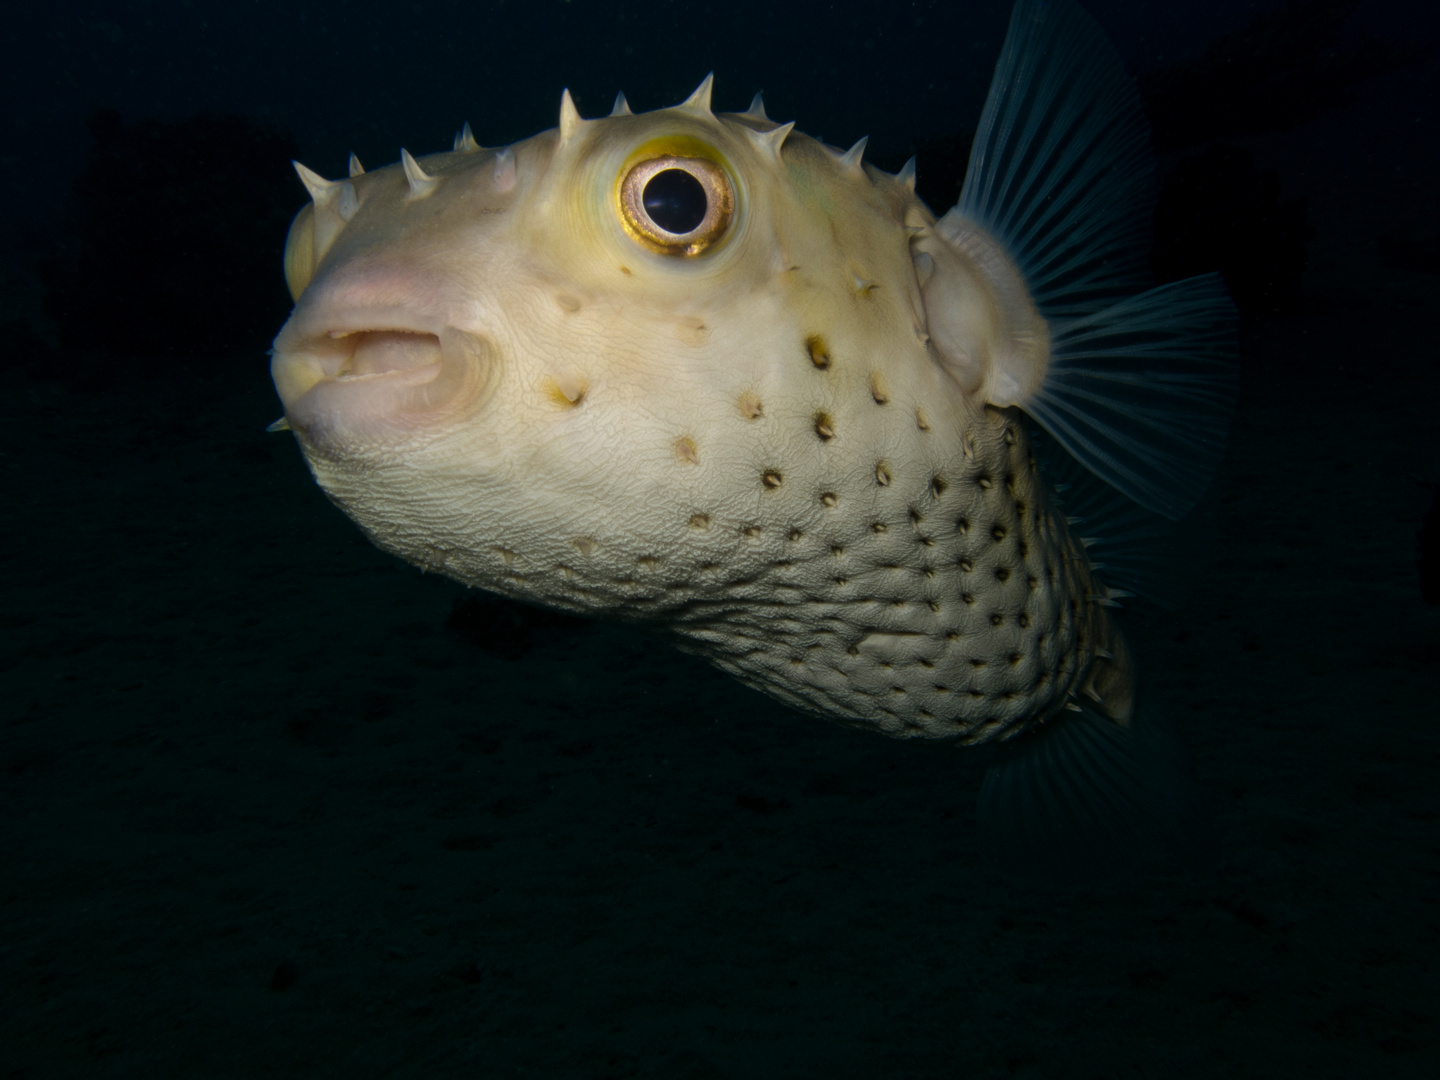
{"type": "Point", "coordinates": [702, 372]}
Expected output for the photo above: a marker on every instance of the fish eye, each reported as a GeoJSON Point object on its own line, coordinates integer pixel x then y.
{"type": "Point", "coordinates": [676, 205]}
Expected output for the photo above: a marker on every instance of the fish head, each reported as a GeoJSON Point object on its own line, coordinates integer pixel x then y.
{"type": "Point", "coordinates": [597, 338]}
{"type": "Point", "coordinates": [488, 343]}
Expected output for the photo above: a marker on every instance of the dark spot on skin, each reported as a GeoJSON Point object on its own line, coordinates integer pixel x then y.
{"type": "Point", "coordinates": [1002, 573]}
{"type": "Point", "coordinates": [772, 479]}
{"type": "Point", "coordinates": [938, 486]}
{"type": "Point", "coordinates": [824, 426]}
{"type": "Point", "coordinates": [998, 533]}
{"type": "Point", "coordinates": [818, 351]}
{"type": "Point", "coordinates": [878, 390]}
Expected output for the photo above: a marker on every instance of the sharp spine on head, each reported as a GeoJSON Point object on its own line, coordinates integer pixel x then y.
{"type": "Point", "coordinates": [505, 170]}
{"type": "Point", "coordinates": [906, 175]}
{"type": "Point", "coordinates": [570, 118]}
{"type": "Point", "coordinates": [851, 158]}
{"type": "Point", "coordinates": [321, 190]}
{"type": "Point", "coordinates": [769, 142]}
{"type": "Point", "coordinates": [699, 101]}
{"type": "Point", "coordinates": [621, 106]}
{"type": "Point", "coordinates": [756, 111]}
{"type": "Point", "coordinates": [279, 425]}
{"type": "Point", "coordinates": [421, 182]}
{"type": "Point", "coordinates": [465, 141]}
{"type": "Point", "coordinates": [337, 195]}
{"type": "Point", "coordinates": [356, 169]}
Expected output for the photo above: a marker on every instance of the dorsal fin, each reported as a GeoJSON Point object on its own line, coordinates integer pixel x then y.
{"type": "Point", "coordinates": [1060, 170]}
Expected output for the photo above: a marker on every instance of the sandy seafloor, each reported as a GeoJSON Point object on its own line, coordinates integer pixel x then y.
{"type": "Point", "coordinates": [263, 815]}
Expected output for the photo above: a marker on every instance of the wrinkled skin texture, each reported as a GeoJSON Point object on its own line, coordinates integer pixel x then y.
{"type": "Point", "coordinates": [755, 448]}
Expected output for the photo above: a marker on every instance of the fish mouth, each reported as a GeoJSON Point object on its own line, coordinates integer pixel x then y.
{"type": "Point", "coordinates": [376, 375]}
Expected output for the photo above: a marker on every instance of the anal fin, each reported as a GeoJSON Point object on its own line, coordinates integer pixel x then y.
{"type": "Point", "coordinates": [1082, 800]}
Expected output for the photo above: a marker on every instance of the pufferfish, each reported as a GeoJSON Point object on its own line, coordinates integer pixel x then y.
{"type": "Point", "coordinates": [703, 373]}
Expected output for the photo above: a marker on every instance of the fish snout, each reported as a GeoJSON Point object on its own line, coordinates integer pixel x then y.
{"type": "Point", "coordinates": [365, 378]}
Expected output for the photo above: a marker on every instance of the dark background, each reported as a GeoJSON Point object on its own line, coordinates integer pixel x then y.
{"type": "Point", "coordinates": [274, 804]}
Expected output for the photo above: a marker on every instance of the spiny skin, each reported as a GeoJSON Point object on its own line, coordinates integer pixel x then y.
{"type": "Point", "coordinates": [754, 449]}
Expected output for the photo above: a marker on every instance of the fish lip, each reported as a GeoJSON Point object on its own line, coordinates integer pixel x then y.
{"type": "Point", "coordinates": [411, 384]}
{"type": "Point", "coordinates": [308, 336]}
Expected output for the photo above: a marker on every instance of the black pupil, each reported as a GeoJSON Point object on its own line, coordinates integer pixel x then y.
{"type": "Point", "coordinates": [675, 201]}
